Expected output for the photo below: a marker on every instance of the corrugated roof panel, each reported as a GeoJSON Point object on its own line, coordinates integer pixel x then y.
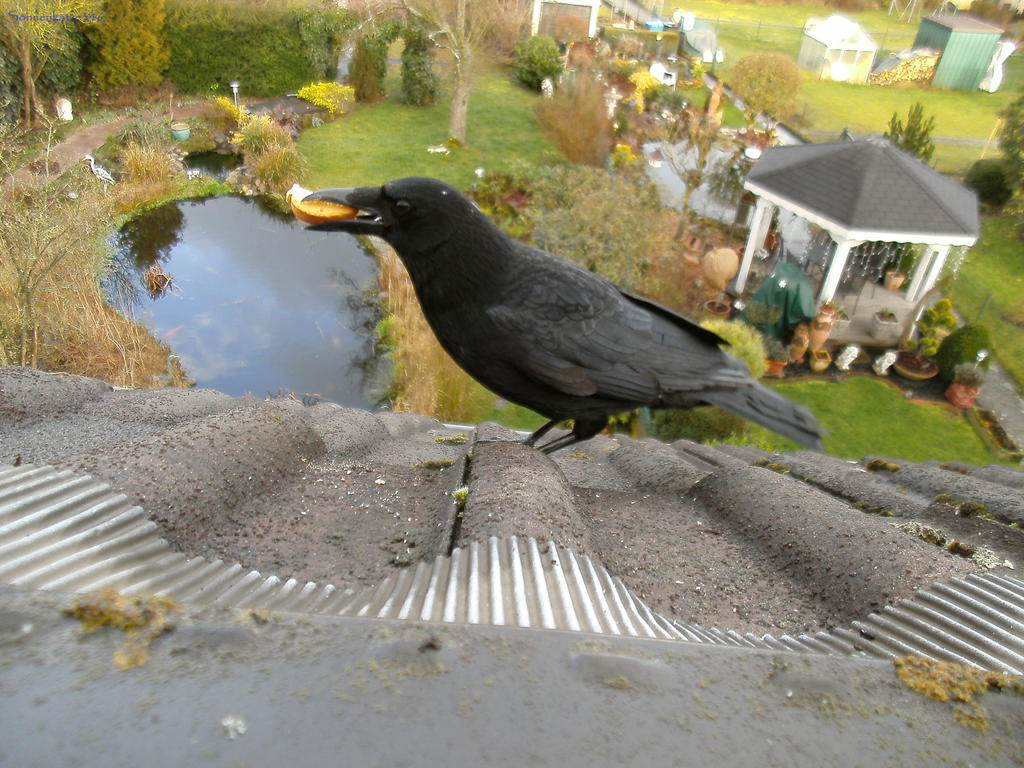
{"type": "Point", "coordinates": [73, 534]}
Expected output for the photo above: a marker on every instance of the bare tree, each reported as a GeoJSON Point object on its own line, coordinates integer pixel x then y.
{"type": "Point", "coordinates": [463, 31]}
{"type": "Point", "coordinates": [31, 31]}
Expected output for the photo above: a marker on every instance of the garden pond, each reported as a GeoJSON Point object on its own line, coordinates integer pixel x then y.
{"type": "Point", "coordinates": [257, 302]}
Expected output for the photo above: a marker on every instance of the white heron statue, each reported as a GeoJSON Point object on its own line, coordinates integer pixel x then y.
{"type": "Point", "coordinates": [99, 171]}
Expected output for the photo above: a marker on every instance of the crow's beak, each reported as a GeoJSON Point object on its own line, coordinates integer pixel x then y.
{"type": "Point", "coordinates": [366, 200]}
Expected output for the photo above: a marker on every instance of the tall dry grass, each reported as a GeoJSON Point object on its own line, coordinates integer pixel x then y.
{"type": "Point", "coordinates": [53, 316]}
{"type": "Point", "coordinates": [425, 378]}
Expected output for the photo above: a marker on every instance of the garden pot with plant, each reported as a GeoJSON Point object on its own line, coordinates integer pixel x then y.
{"type": "Point", "coordinates": [915, 360]}
{"type": "Point", "coordinates": [776, 358]}
{"type": "Point", "coordinates": [885, 326]}
{"type": "Point", "coordinates": [798, 346]}
{"type": "Point", "coordinates": [894, 279]}
{"type": "Point", "coordinates": [967, 381]}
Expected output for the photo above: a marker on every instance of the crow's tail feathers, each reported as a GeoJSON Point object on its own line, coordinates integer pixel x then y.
{"type": "Point", "coordinates": [763, 406]}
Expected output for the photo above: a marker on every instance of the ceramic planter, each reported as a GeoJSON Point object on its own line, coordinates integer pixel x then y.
{"type": "Point", "coordinates": [885, 328]}
{"type": "Point", "coordinates": [180, 131]}
{"type": "Point", "coordinates": [820, 360]}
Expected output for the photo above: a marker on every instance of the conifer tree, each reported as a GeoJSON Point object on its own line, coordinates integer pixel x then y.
{"type": "Point", "coordinates": [132, 46]}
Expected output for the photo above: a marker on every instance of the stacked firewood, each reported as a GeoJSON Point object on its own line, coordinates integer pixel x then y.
{"type": "Point", "coordinates": [916, 69]}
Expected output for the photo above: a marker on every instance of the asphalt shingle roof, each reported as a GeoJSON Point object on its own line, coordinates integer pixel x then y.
{"type": "Point", "coordinates": [868, 186]}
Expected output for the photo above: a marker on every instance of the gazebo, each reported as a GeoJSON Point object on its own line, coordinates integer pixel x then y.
{"type": "Point", "coordinates": [862, 192]}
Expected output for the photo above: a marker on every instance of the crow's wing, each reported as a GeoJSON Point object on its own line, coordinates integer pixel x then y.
{"type": "Point", "coordinates": [584, 336]}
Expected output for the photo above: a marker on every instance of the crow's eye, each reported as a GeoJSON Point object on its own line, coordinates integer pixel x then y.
{"type": "Point", "coordinates": [402, 207]}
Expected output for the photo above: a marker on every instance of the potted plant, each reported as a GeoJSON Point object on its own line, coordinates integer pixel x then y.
{"type": "Point", "coordinates": [894, 279]}
{"type": "Point", "coordinates": [828, 312]}
{"type": "Point", "coordinates": [820, 360]}
{"type": "Point", "coordinates": [776, 358]}
{"type": "Point", "coordinates": [885, 325]}
{"type": "Point", "coordinates": [915, 359]}
{"type": "Point", "coordinates": [800, 342]}
{"type": "Point", "coordinates": [967, 381]}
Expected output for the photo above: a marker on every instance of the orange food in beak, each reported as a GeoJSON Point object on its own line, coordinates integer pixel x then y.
{"type": "Point", "coordinates": [317, 211]}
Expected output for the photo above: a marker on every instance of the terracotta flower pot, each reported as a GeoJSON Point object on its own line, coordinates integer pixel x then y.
{"type": "Point", "coordinates": [774, 369]}
{"type": "Point", "coordinates": [818, 335]}
{"type": "Point", "coordinates": [961, 395]}
{"type": "Point", "coordinates": [894, 279]}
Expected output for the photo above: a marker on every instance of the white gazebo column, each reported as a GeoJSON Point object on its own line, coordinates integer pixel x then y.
{"type": "Point", "coordinates": [763, 211]}
{"type": "Point", "coordinates": [835, 269]}
{"type": "Point", "coordinates": [934, 271]}
{"type": "Point", "coordinates": [920, 272]}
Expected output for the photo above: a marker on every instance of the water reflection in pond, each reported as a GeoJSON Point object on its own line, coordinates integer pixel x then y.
{"type": "Point", "coordinates": [215, 164]}
{"type": "Point", "coordinates": [258, 303]}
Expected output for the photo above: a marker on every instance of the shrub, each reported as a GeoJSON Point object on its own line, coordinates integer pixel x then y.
{"type": "Point", "coordinates": [132, 47]}
{"type": "Point", "coordinates": [277, 167]}
{"type": "Point", "coordinates": [269, 48]}
{"type": "Point", "coordinates": [963, 346]}
{"type": "Point", "coordinates": [369, 67]}
{"type": "Point", "coordinates": [537, 59]}
{"type": "Point", "coordinates": [577, 118]}
{"type": "Point", "coordinates": [260, 134]}
{"type": "Point", "coordinates": [989, 179]}
{"type": "Point", "coordinates": [645, 83]}
{"type": "Point", "coordinates": [707, 424]}
{"type": "Point", "coordinates": [145, 162]}
{"type": "Point", "coordinates": [768, 82]}
{"type": "Point", "coordinates": [745, 342]}
{"type": "Point", "coordinates": [419, 83]}
{"type": "Point", "coordinates": [223, 112]}
{"type": "Point", "coordinates": [334, 97]}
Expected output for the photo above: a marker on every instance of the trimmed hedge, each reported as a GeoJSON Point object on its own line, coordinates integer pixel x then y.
{"type": "Point", "coordinates": [962, 346]}
{"type": "Point", "coordinates": [269, 50]}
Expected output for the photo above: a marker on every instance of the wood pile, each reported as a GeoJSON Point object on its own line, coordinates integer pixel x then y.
{"type": "Point", "coordinates": [916, 70]}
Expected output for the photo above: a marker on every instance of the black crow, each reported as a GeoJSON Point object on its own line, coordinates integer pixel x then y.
{"type": "Point", "coordinates": [546, 333]}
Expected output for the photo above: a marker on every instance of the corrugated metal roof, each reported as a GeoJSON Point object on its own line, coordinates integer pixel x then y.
{"type": "Point", "coordinates": [65, 532]}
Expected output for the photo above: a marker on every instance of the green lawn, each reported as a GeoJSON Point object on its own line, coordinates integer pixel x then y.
{"type": "Point", "coordinates": [990, 289]}
{"type": "Point", "coordinates": [861, 414]}
{"type": "Point", "coordinates": [377, 142]}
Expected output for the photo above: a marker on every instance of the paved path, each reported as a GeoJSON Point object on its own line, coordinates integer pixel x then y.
{"type": "Point", "coordinates": [90, 137]}
{"type": "Point", "coordinates": [999, 394]}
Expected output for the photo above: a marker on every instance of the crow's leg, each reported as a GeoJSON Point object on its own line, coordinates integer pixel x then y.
{"type": "Point", "coordinates": [541, 431]}
{"type": "Point", "coordinates": [559, 442]}
{"type": "Point", "coordinates": [584, 428]}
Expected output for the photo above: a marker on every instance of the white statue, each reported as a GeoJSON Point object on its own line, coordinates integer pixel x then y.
{"type": "Point", "coordinates": [884, 362]}
{"type": "Point", "coordinates": [847, 356]}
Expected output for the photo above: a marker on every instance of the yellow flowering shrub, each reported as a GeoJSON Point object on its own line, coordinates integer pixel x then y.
{"type": "Point", "coordinates": [623, 156]}
{"type": "Point", "coordinates": [330, 96]}
{"type": "Point", "coordinates": [225, 109]}
{"type": "Point", "coordinates": [644, 82]}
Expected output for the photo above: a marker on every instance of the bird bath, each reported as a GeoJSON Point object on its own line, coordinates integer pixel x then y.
{"type": "Point", "coordinates": [257, 303]}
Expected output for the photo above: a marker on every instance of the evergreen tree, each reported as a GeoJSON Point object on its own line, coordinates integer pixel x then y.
{"type": "Point", "coordinates": [916, 136]}
{"type": "Point", "coordinates": [132, 46]}
{"type": "Point", "coordinates": [419, 83]}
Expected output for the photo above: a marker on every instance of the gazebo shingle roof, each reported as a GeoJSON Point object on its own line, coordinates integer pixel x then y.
{"type": "Point", "coordinates": [868, 187]}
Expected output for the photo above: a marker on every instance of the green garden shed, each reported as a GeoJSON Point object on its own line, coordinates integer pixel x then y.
{"type": "Point", "coordinates": [966, 44]}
